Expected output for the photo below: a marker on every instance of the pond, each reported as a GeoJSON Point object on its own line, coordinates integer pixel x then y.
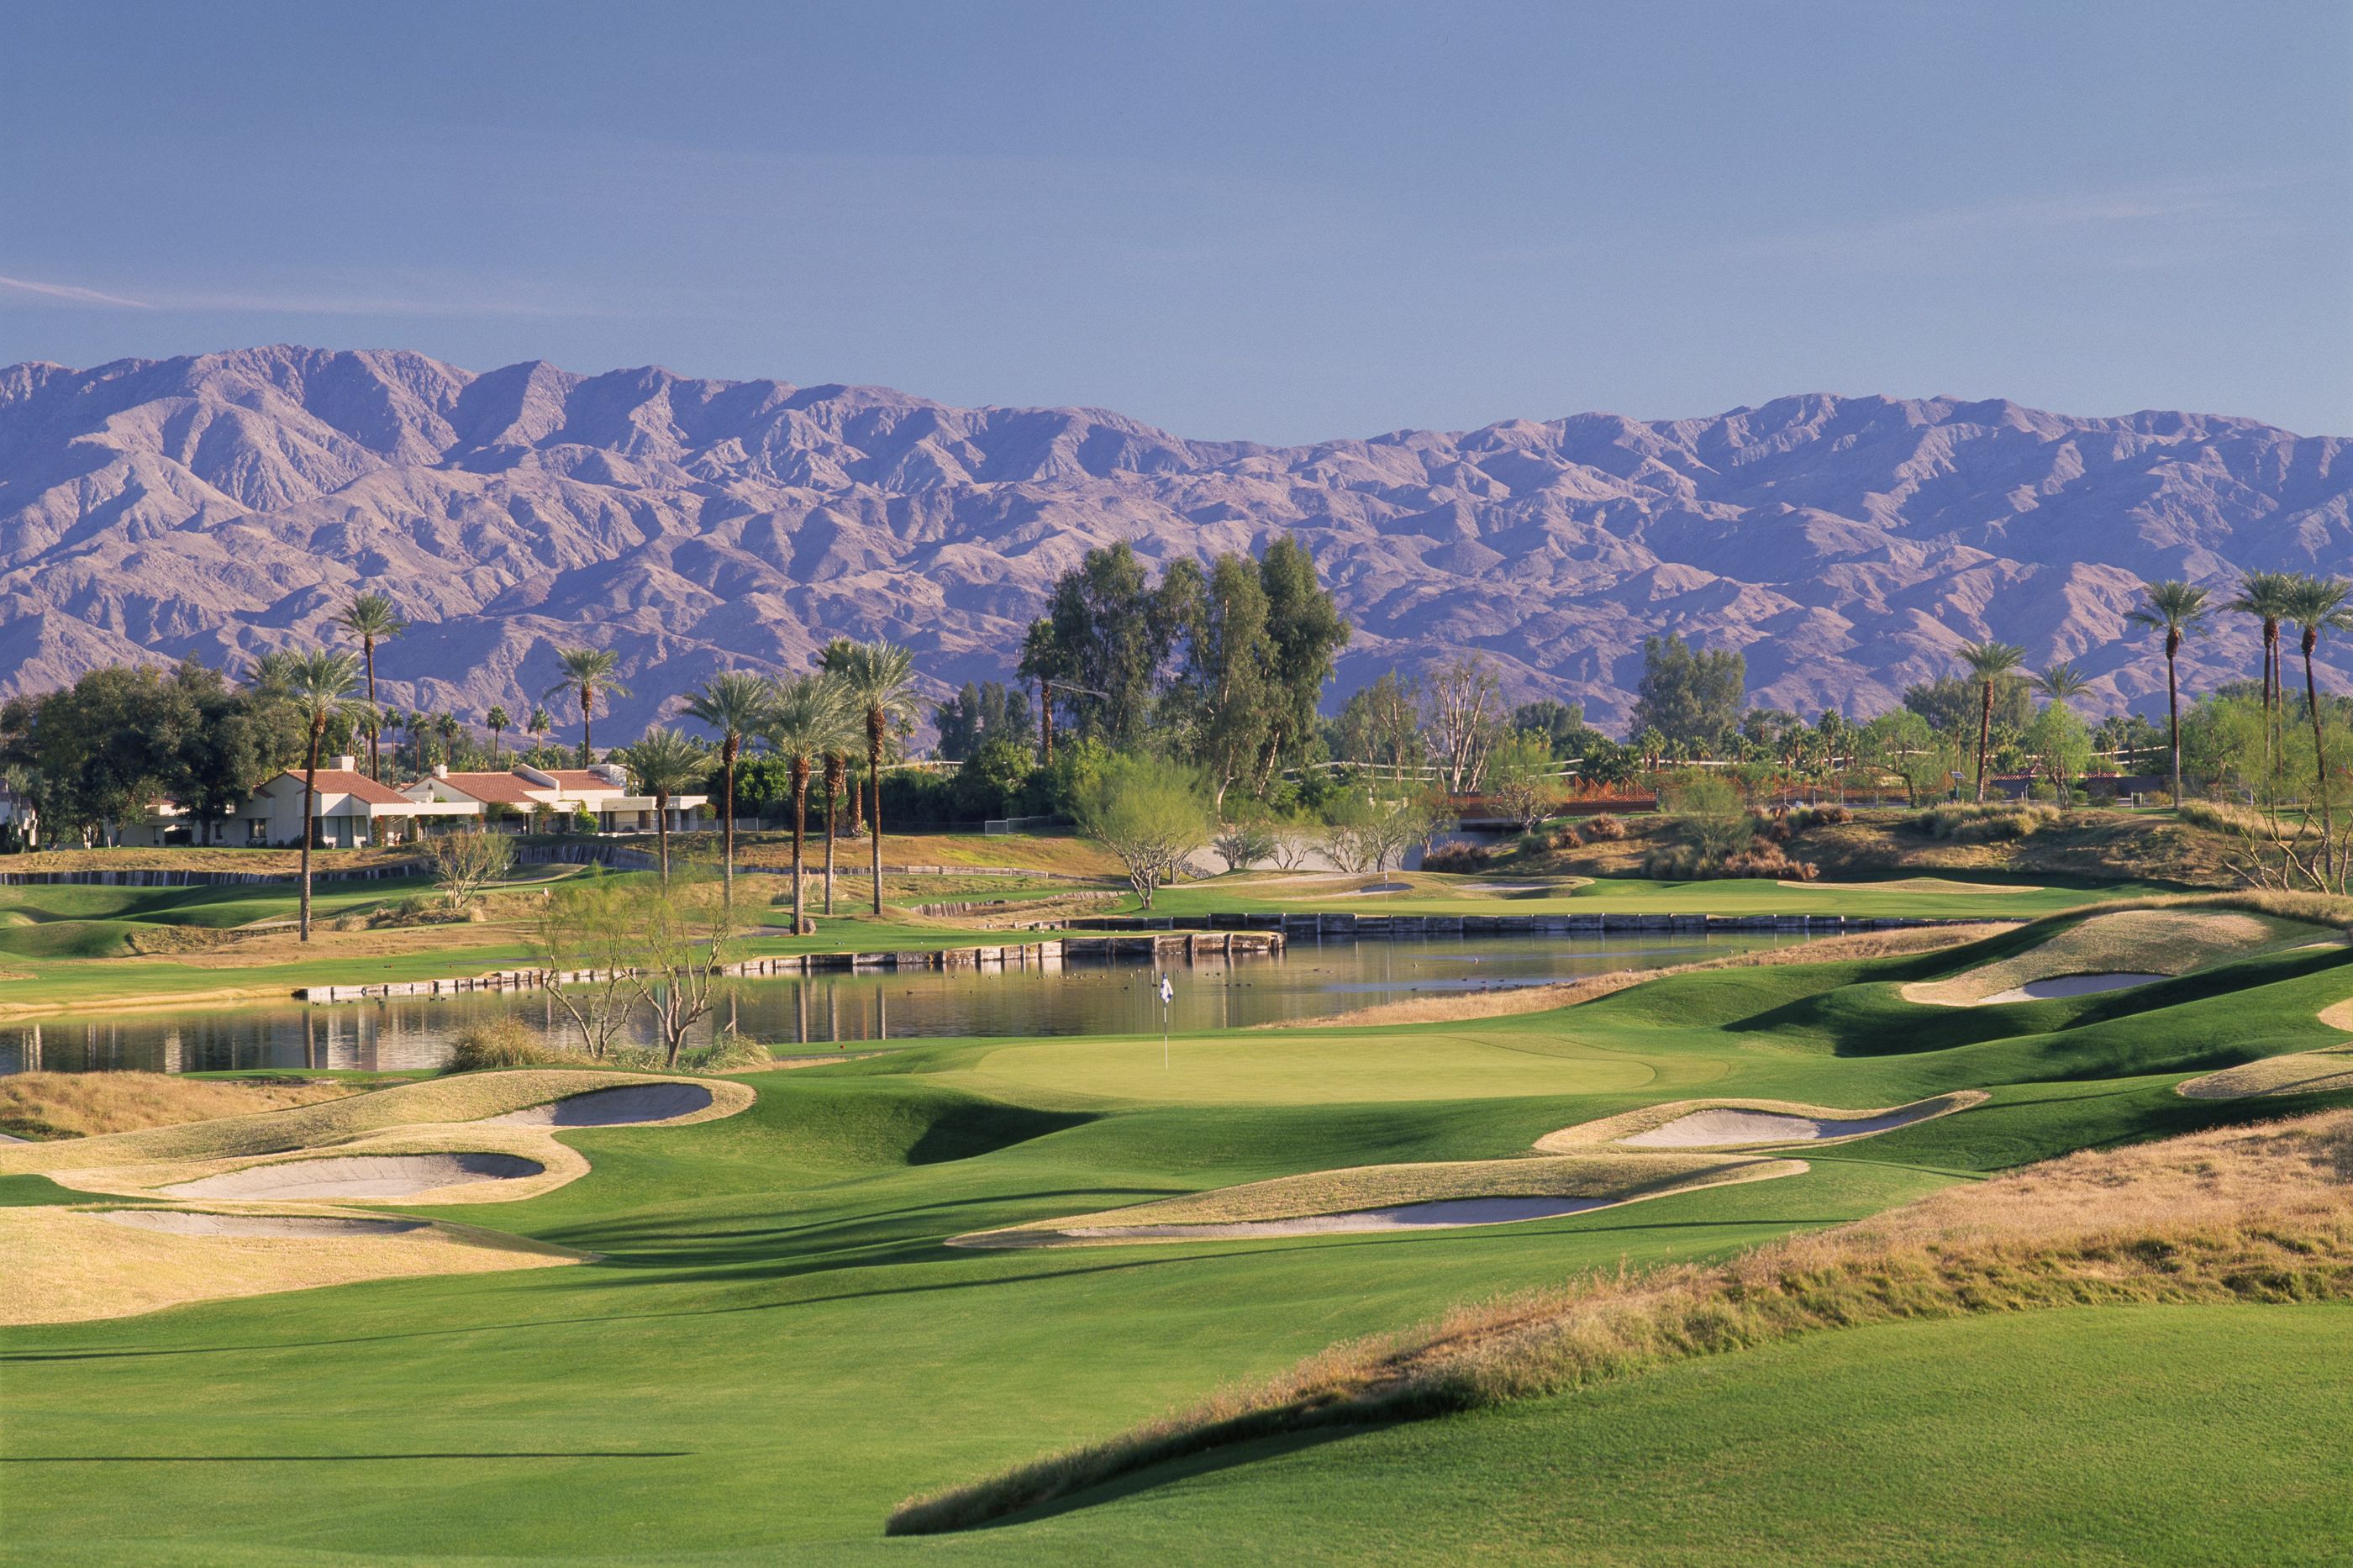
{"type": "Point", "coordinates": [1314, 979]}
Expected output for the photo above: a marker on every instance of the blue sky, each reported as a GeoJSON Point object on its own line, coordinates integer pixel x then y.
{"type": "Point", "coordinates": [1277, 220]}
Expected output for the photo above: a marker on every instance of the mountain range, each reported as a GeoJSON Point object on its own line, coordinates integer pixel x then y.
{"type": "Point", "coordinates": [224, 504]}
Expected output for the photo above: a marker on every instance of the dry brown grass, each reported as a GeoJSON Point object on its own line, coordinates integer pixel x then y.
{"type": "Point", "coordinates": [1611, 1177]}
{"type": "Point", "coordinates": [2152, 940]}
{"type": "Point", "coordinates": [91, 1104]}
{"type": "Point", "coordinates": [1455, 1007]}
{"type": "Point", "coordinates": [2242, 1215]}
{"type": "Point", "coordinates": [1628, 1124]}
{"type": "Point", "coordinates": [269, 862]}
{"type": "Point", "coordinates": [68, 1265]}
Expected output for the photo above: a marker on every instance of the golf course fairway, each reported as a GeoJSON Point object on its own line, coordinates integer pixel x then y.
{"type": "Point", "coordinates": [765, 1347]}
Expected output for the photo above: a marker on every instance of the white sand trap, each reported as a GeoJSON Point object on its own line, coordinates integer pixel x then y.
{"type": "Point", "coordinates": [359, 1176]}
{"type": "Point", "coordinates": [184, 1222]}
{"type": "Point", "coordinates": [1447, 1213]}
{"type": "Point", "coordinates": [627, 1105]}
{"type": "Point", "coordinates": [2070, 985]}
{"type": "Point", "coordinates": [1748, 1123]}
{"type": "Point", "coordinates": [1725, 1128]}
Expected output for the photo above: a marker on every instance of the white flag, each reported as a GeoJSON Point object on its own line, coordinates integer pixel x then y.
{"type": "Point", "coordinates": [1167, 992]}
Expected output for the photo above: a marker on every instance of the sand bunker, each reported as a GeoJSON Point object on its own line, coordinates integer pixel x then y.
{"type": "Point", "coordinates": [359, 1176]}
{"type": "Point", "coordinates": [628, 1105]}
{"type": "Point", "coordinates": [2071, 985]}
{"type": "Point", "coordinates": [188, 1221]}
{"type": "Point", "coordinates": [1446, 1215]}
{"type": "Point", "coordinates": [1748, 1123]}
{"type": "Point", "coordinates": [2304, 1073]}
{"type": "Point", "coordinates": [1431, 1195]}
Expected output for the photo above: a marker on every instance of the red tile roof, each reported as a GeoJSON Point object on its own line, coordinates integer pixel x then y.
{"type": "Point", "coordinates": [334, 781]}
{"type": "Point", "coordinates": [509, 789]}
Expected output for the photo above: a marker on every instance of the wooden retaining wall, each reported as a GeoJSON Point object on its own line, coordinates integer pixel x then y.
{"type": "Point", "coordinates": [1039, 955]}
{"type": "Point", "coordinates": [1356, 925]}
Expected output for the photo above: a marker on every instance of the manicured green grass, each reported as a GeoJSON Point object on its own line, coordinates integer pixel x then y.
{"type": "Point", "coordinates": [2190, 1435]}
{"type": "Point", "coordinates": [778, 1349]}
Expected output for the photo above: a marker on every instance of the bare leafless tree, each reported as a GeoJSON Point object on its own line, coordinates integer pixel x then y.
{"type": "Point", "coordinates": [1465, 719]}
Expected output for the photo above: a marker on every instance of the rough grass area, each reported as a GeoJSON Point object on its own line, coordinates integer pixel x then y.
{"type": "Point", "coordinates": [91, 1104]}
{"type": "Point", "coordinates": [2261, 1214]}
{"type": "Point", "coordinates": [2137, 941]}
{"type": "Point", "coordinates": [1611, 1177]}
{"type": "Point", "coordinates": [1502, 1004]}
{"type": "Point", "coordinates": [1629, 1124]}
{"type": "Point", "coordinates": [267, 862]}
{"type": "Point", "coordinates": [68, 1265]}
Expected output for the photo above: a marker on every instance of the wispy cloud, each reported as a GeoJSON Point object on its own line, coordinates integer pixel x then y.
{"type": "Point", "coordinates": [69, 294]}
{"type": "Point", "coordinates": [456, 300]}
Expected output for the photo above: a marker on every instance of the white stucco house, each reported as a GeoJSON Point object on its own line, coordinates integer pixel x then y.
{"type": "Point", "coordinates": [558, 795]}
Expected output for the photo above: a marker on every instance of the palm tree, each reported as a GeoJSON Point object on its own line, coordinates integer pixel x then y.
{"type": "Point", "coordinates": [2059, 682]}
{"type": "Point", "coordinates": [273, 672]}
{"type": "Point", "coordinates": [2264, 596]}
{"type": "Point", "coordinates": [449, 730]}
{"type": "Point", "coordinates": [319, 686]}
{"type": "Point", "coordinates": [2175, 608]}
{"type": "Point", "coordinates": [667, 765]}
{"type": "Point", "coordinates": [879, 681]}
{"type": "Point", "coordinates": [1988, 662]}
{"type": "Point", "coordinates": [497, 722]}
{"type": "Point", "coordinates": [587, 674]}
{"type": "Point", "coordinates": [369, 618]}
{"type": "Point", "coordinates": [735, 703]}
{"type": "Point", "coordinates": [806, 715]}
{"type": "Point", "coordinates": [836, 764]}
{"type": "Point", "coordinates": [537, 726]}
{"type": "Point", "coordinates": [2317, 604]}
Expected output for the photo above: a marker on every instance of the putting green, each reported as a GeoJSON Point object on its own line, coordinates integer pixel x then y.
{"type": "Point", "coordinates": [1274, 1069]}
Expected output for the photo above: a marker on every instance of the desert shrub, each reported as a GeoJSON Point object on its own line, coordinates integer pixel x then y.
{"type": "Point", "coordinates": [2221, 816]}
{"type": "Point", "coordinates": [1767, 860]}
{"type": "Point", "coordinates": [1805, 818]}
{"type": "Point", "coordinates": [732, 1053]}
{"type": "Point", "coordinates": [1602, 829]}
{"type": "Point", "coordinates": [1461, 856]}
{"type": "Point", "coordinates": [1676, 863]}
{"type": "Point", "coordinates": [505, 1042]}
{"type": "Point", "coordinates": [1566, 836]}
{"type": "Point", "coordinates": [1962, 822]}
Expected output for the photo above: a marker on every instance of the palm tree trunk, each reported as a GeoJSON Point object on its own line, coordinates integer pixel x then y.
{"type": "Point", "coordinates": [874, 780]}
{"type": "Point", "coordinates": [2173, 711]}
{"type": "Point", "coordinates": [310, 804]}
{"type": "Point", "coordinates": [727, 822]}
{"type": "Point", "coordinates": [375, 754]}
{"type": "Point", "coordinates": [1985, 738]}
{"type": "Point", "coordinates": [801, 827]}
{"type": "Point", "coordinates": [662, 832]}
{"type": "Point", "coordinates": [832, 790]}
{"type": "Point", "coordinates": [587, 728]}
{"type": "Point", "coordinates": [2319, 757]}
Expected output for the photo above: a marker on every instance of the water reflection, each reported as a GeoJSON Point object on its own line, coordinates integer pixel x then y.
{"type": "Point", "coordinates": [1313, 980]}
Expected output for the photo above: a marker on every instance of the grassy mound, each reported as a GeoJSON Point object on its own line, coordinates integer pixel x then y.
{"type": "Point", "coordinates": [2164, 942]}
{"type": "Point", "coordinates": [333, 1122]}
{"type": "Point", "coordinates": [92, 1104]}
{"type": "Point", "coordinates": [2261, 1216]}
{"type": "Point", "coordinates": [2300, 1072]}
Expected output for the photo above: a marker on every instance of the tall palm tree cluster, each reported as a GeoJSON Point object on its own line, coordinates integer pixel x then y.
{"type": "Point", "coordinates": [2177, 611]}
{"type": "Point", "coordinates": [816, 723]}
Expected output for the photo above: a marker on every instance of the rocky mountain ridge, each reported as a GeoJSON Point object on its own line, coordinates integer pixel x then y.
{"type": "Point", "coordinates": [224, 504]}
